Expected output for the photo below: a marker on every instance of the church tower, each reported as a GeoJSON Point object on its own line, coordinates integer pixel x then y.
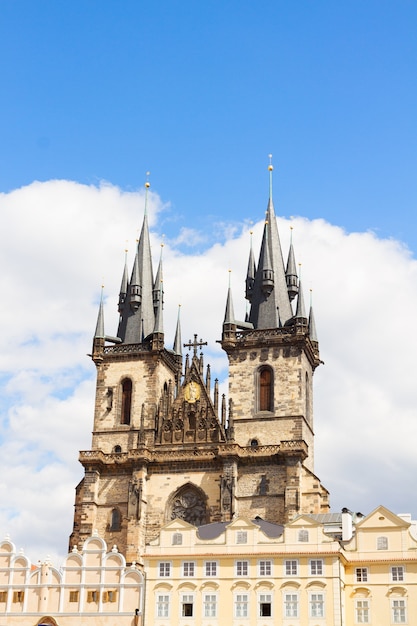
{"type": "Point", "coordinates": [166, 446]}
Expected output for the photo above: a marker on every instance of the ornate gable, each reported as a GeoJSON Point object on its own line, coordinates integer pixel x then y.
{"type": "Point", "coordinates": [190, 417]}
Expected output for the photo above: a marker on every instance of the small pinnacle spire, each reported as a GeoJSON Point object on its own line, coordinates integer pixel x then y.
{"type": "Point", "coordinates": [177, 340]}
{"type": "Point", "coordinates": [301, 310]}
{"type": "Point", "coordinates": [159, 325]}
{"type": "Point", "coordinates": [124, 285]}
{"type": "Point", "coordinates": [99, 334]}
{"type": "Point", "coordinates": [291, 272]}
{"type": "Point", "coordinates": [312, 332]}
{"type": "Point", "coordinates": [229, 316]}
{"type": "Point", "coordinates": [250, 275]}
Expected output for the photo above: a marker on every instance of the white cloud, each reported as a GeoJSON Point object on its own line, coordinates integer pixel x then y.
{"type": "Point", "coordinates": [59, 240]}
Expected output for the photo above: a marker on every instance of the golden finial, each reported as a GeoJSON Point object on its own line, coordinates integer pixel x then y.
{"type": "Point", "coordinates": [147, 183]}
{"type": "Point", "coordinates": [270, 166]}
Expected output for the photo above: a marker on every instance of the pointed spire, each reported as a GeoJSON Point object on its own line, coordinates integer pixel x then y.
{"type": "Point", "coordinates": [250, 275]}
{"type": "Point", "coordinates": [229, 316]}
{"type": "Point", "coordinates": [159, 322]}
{"type": "Point", "coordinates": [138, 319]}
{"type": "Point", "coordinates": [157, 292]}
{"type": "Point", "coordinates": [270, 300]}
{"type": "Point", "coordinates": [312, 332]}
{"type": "Point", "coordinates": [301, 310]}
{"type": "Point", "coordinates": [99, 333]}
{"type": "Point", "coordinates": [123, 286]}
{"type": "Point", "coordinates": [177, 339]}
{"type": "Point", "coordinates": [291, 273]}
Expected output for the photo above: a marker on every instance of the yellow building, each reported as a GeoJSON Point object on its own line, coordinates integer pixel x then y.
{"type": "Point", "coordinates": [380, 563]}
{"type": "Point", "coordinates": [252, 573]}
{"type": "Point", "coordinates": [93, 586]}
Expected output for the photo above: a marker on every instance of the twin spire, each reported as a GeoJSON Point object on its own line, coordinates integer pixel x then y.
{"type": "Point", "coordinates": [270, 288]}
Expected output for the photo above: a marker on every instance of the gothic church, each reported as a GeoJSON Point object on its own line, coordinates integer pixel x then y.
{"type": "Point", "coordinates": [166, 446]}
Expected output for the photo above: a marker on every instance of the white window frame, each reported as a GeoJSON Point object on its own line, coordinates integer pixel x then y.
{"type": "Point", "coordinates": [265, 567]}
{"type": "Point", "coordinates": [361, 574]}
{"type": "Point", "coordinates": [398, 610]}
{"type": "Point", "coordinates": [242, 568]}
{"type": "Point", "coordinates": [318, 566]}
{"type": "Point", "coordinates": [362, 611]}
{"type": "Point", "coordinates": [210, 569]}
{"type": "Point", "coordinates": [188, 569]}
{"type": "Point", "coordinates": [210, 605]}
{"type": "Point", "coordinates": [303, 535]}
{"type": "Point", "coordinates": [316, 604]}
{"type": "Point", "coordinates": [264, 599]}
{"type": "Point", "coordinates": [291, 604]}
{"type": "Point", "coordinates": [397, 573]}
{"type": "Point", "coordinates": [177, 539]}
{"type": "Point", "coordinates": [241, 605]}
{"type": "Point", "coordinates": [291, 567]}
{"type": "Point", "coordinates": [382, 543]}
{"type": "Point", "coordinates": [241, 536]}
{"type": "Point", "coordinates": [164, 569]}
{"type": "Point", "coordinates": [162, 605]}
{"type": "Point", "coordinates": [187, 599]}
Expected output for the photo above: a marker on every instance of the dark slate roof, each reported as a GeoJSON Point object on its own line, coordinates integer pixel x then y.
{"type": "Point", "coordinates": [211, 531]}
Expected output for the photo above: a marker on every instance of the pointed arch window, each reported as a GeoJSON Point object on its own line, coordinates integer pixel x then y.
{"type": "Point", "coordinates": [265, 388]}
{"type": "Point", "coordinates": [116, 520]}
{"type": "Point", "coordinates": [126, 401]}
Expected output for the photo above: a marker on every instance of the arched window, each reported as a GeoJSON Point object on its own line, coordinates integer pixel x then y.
{"type": "Point", "coordinates": [265, 389]}
{"type": "Point", "coordinates": [117, 449]}
{"type": "Point", "coordinates": [126, 401]}
{"type": "Point", "coordinates": [115, 522]}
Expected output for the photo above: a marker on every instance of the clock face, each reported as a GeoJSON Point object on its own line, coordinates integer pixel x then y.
{"type": "Point", "coordinates": [192, 392]}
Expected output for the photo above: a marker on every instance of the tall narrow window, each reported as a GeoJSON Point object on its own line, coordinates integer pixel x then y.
{"type": "Point", "coordinates": [115, 522]}
{"type": "Point", "coordinates": [126, 400]}
{"type": "Point", "coordinates": [265, 389]}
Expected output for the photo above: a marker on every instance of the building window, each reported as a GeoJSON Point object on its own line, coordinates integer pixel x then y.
{"type": "Point", "coordinates": [188, 568]}
{"type": "Point", "coordinates": [291, 605]}
{"type": "Point", "coordinates": [382, 543]}
{"type": "Point", "coordinates": [265, 389]}
{"type": "Point", "coordinates": [241, 536]}
{"type": "Point", "coordinates": [109, 595]}
{"type": "Point", "coordinates": [316, 605]}
{"type": "Point", "coordinates": [18, 596]}
{"type": "Point", "coordinates": [398, 611]}
{"type": "Point", "coordinates": [316, 567]}
{"type": "Point", "coordinates": [187, 606]}
{"type": "Point", "coordinates": [265, 568]}
{"type": "Point", "coordinates": [397, 573]}
{"type": "Point", "coordinates": [177, 539]}
{"type": "Point", "coordinates": [265, 605]}
{"type": "Point", "coordinates": [361, 574]}
{"type": "Point", "coordinates": [164, 569]}
{"type": "Point", "coordinates": [241, 605]}
{"type": "Point", "coordinates": [362, 611]}
{"type": "Point", "coordinates": [92, 595]}
{"type": "Point", "coordinates": [116, 520]}
{"type": "Point", "coordinates": [211, 568]}
{"type": "Point", "coordinates": [303, 535]}
{"type": "Point", "coordinates": [210, 605]}
{"type": "Point", "coordinates": [162, 605]}
{"type": "Point", "coordinates": [3, 596]}
{"type": "Point", "coordinates": [73, 596]}
{"type": "Point", "coordinates": [126, 401]}
{"type": "Point", "coordinates": [241, 568]}
{"type": "Point", "coordinates": [291, 567]}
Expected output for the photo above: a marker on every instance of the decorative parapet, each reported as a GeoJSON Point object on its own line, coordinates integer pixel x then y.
{"type": "Point", "coordinates": [200, 453]}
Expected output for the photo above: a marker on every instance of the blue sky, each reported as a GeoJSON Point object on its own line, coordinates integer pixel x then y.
{"type": "Point", "coordinates": [199, 93]}
{"type": "Point", "coordinates": [94, 95]}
